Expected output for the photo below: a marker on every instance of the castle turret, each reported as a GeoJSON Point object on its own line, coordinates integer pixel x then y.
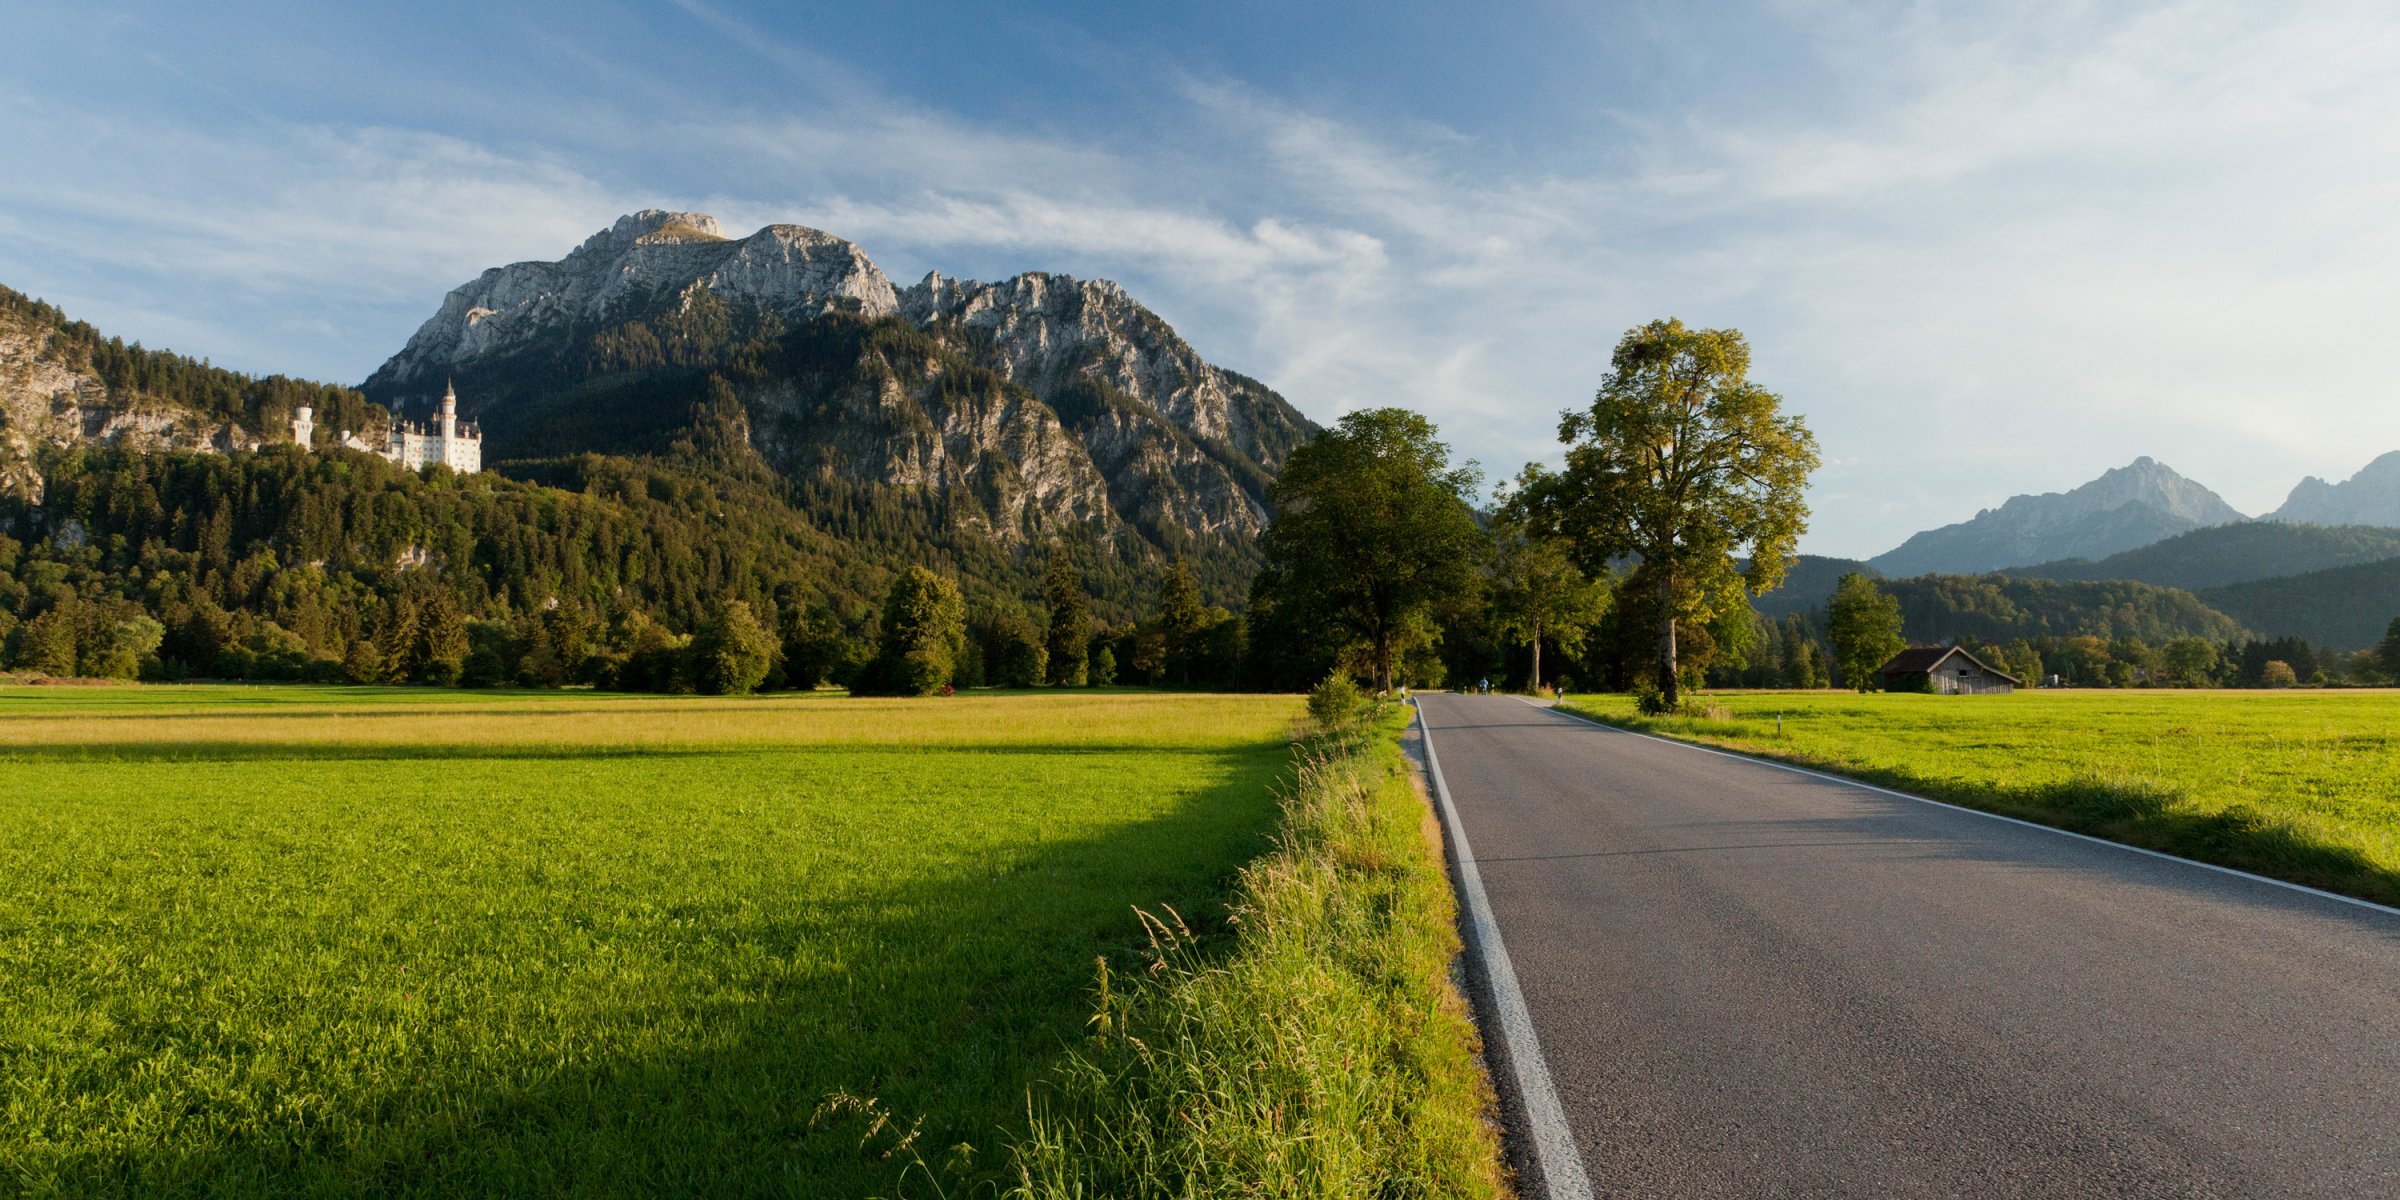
{"type": "Point", "coordinates": [449, 411]}
{"type": "Point", "coordinates": [304, 424]}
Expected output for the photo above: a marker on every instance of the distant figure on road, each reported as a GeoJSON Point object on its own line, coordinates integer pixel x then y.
{"type": "Point", "coordinates": [1483, 687]}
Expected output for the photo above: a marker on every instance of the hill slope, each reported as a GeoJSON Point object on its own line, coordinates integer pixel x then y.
{"type": "Point", "coordinates": [2229, 554]}
{"type": "Point", "coordinates": [2347, 607]}
{"type": "Point", "coordinates": [2129, 506]}
{"type": "Point", "coordinates": [62, 385]}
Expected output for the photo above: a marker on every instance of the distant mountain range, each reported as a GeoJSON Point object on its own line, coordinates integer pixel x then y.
{"type": "Point", "coordinates": [2371, 497]}
{"type": "Point", "coordinates": [2133, 505]}
{"type": "Point", "coordinates": [2140, 504]}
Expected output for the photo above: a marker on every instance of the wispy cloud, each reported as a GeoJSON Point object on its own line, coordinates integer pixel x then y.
{"type": "Point", "coordinates": [2049, 237]}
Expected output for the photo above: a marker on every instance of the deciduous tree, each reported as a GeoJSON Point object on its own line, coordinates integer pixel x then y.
{"type": "Point", "coordinates": [1864, 624]}
{"type": "Point", "coordinates": [1372, 530]}
{"type": "Point", "coordinates": [1685, 464]}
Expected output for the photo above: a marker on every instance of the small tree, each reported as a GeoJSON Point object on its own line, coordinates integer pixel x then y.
{"type": "Point", "coordinates": [1181, 617]}
{"type": "Point", "coordinates": [2387, 655]}
{"type": "Point", "coordinates": [1538, 592]}
{"type": "Point", "coordinates": [732, 652]}
{"type": "Point", "coordinates": [2188, 662]}
{"type": "Point", "coordinates": [1068, 644]}
{"type": "Point", "coordinates": [1864, 623]}
{"type": "Point", "coordinates": [924, 631]}
{"type": "Point", "coordinates": [2279, 674]}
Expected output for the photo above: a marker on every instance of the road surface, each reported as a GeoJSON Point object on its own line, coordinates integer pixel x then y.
{"type": "Point", "coordinates": [1750, 982]}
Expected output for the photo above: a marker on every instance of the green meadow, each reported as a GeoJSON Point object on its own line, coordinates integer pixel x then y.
{"type": "Point", "coordinates": [2300, 785]}
{"type": "Point", "coordinates": [283, 941]}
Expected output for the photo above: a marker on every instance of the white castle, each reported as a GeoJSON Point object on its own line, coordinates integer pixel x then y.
{"type": "Point", "coordinates": [460, 447]}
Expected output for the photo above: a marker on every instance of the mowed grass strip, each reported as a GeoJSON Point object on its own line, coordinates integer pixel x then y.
{"type": "Point", "coordinates": [2302, 786]}
{"type": "Point", "coordinates": [453, 943]}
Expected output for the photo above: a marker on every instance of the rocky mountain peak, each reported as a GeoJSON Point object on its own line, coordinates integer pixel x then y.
{"type": "Point", "coordinates": [2371, 497]}
{"type": "Point", "coordinates": [2126, 507]}
{"type": "Point", "coordinates": [792, 271]}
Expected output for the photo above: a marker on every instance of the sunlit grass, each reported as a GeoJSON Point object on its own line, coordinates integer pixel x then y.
{"type": "Point", "coordinates": [331, 941]}
{"type": "Point", "coordinates": [2304, 785]}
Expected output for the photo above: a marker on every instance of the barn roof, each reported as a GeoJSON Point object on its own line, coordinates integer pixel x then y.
{"type": "Point", "coordinates": [1921, 660]}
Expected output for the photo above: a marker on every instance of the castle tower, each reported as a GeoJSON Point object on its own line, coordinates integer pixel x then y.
{"type": "Point", "coordinates": [449, 412]}
{"type": "Point", "coordinates": [304, 423]}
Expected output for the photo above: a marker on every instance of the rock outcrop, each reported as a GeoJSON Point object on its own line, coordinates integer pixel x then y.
{"type": "Point", "coordinates": [49, 399]}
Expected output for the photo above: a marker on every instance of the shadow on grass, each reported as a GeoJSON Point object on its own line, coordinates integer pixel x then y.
{"type": "Point", "coordinates": [280, 751]}
{"type": "Point", "coordinates": [945, 998]}
{"type": "Point", "coordinates": [2134, 812]}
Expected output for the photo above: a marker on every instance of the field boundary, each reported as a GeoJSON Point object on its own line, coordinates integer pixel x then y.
{"type": "Point", "coordinates": [1552, 1141]}
{"type": "Point", "coordinates": [1830, 777]}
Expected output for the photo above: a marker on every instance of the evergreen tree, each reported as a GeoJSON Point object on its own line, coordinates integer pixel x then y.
{"type": "Point", "coordinates": [1068, 644]}
{"type": "Point", "coordinates": [2387, 654]}
{"type": "Point", "coordinates": [924, 633]}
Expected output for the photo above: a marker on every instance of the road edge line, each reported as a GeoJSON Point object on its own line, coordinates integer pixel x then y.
{"type": "Point", "coordinates": [1553, 1142]}
{"type": "Point", "coordinates": [1830, 777]}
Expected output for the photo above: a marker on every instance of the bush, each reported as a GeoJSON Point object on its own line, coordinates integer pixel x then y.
{"type": "Point", "coordinates": [1335, 703]}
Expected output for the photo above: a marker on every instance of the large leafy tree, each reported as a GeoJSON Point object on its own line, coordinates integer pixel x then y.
{"type": "Point", "coordinates": [1864, 623]}
{"type": "Point", "coordinates": [1684, 464]}
{"type": "Point", "coordinates": [1372, 533]}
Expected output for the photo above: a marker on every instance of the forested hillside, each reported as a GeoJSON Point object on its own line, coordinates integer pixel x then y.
{"type": "Point", "coordinates": [2349, 608]}
{"type": "Point", "coordinates": [62, 385]}
{"type": "Point", "coordinates": [2229, 554]}
{"type": "Point", "coordinates": [1990, 608]}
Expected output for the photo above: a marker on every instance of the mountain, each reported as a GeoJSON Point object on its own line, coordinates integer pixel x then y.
{"type": "Point", "coordinates": [62, 384]}
{"type": "Point", "coordinates": [1807, 584]}
{"type": "Point", "coordinates": [2130, 506]}
{"type": "Point", "coordinates": [1030, 409]}
{"type": "Point", "coordinates": [2348, 608]}
{"type": "Point", "coordinates": [2229, 554]}
{"type": "Point", "coordinates": [2371, 497]}
{"type": "Point", "coordinates": [1994, 608]}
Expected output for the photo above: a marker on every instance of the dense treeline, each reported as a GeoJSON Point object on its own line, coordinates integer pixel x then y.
{"type": "Point", "coordinates": [132, 372]}
{"type": "Point", "coordinates": [682, 573]}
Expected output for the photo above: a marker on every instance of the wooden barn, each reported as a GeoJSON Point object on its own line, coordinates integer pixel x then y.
{"type": "Point", "coordinates": [1946, 670]}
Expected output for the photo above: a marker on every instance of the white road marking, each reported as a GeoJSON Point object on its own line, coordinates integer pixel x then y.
{"type": "Point", "coordinates": [2320, 893]}
{"type": "Point", "coordinates": [1553, 1142]}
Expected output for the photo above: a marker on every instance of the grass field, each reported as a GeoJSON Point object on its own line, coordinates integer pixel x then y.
{"type": "Point", "coordinates": [269, 941]}
{"type": "Point", "coordinates": [2303, 786]}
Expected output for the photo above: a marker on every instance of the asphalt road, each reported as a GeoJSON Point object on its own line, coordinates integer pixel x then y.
{"type": "Point", "coordinates": [1749, 982]}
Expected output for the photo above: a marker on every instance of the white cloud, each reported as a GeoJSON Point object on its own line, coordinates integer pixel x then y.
{"type": "Point", "coordinates": [2056, 237]}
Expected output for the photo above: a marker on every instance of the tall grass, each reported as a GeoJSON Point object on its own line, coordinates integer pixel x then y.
{"type": "Point", "coordinates": [1324, 1053]}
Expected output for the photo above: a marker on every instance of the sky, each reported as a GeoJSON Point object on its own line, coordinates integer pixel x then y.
{"type": "Point", "coordinates": [1981, 249]}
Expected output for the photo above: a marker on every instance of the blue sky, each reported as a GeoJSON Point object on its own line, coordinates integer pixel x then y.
{"type": "Point", "coordinates": [1983, 249]}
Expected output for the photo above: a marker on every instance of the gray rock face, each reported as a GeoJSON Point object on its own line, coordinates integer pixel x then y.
{"type": "Point", "coordinates": [1053, 402]}
{"type": "Point", "coordinates": [49, 402]}
{"type": "Point", "coordinates": [2133, 505]}
{"type": "Point", "coordinates": [789, 270]}
{"type": "Point", "coordinates": [2371, 497]}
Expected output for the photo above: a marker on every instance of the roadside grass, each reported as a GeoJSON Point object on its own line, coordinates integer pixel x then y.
{"type": "Point", "coordinates": [1325, 1053]}
{"type": "Point", "coordinates": [325, 941]}
{"type": "Point", "coordinates": [2301, 786]}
